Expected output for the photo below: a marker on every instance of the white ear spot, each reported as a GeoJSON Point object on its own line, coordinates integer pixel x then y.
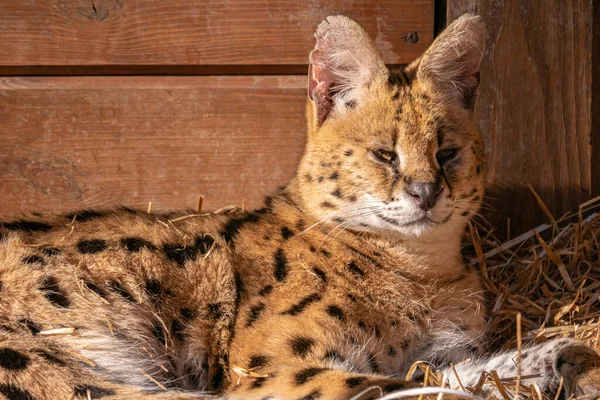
{"type": "Point", "coordinates": [342, 65]}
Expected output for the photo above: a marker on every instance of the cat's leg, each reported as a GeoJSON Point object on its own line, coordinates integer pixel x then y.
{"type": "Point", "coordinates": [39, 368]}
{"type": "Point", "coordinates": [309, 381]}
{"type": "Point", "coordinates": [545, 364]}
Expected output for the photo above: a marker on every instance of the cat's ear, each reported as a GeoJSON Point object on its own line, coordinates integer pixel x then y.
{"type": "Point", "coordinates": [342, 65]}
{"type": "Point", "coordinates": [451, 64]}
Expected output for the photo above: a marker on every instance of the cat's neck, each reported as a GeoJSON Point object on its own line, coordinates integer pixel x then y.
{"type": "Point", "coordinates": [438, 251]}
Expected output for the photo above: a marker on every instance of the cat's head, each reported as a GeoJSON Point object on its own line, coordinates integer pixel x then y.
{"type": "Point", "coordinates": [394, 152]}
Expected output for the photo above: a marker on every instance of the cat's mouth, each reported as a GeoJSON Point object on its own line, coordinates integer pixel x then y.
{"type": "Point", "coordinates": [421, 221]}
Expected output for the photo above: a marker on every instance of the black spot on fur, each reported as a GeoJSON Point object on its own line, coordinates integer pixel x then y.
{"type": "Point", "coordinates": [52, 359]}
{"type": "Point", "coordinates": [258, 382]}
{"type": "Point", "coordinates": [308, 177]}
{"type": "Point", "coordinates": [314, 395]}
{"type": "Point", "coordinates": [373, 363]}
{"type": "Point", "coordinates": [312, 249]}
{"type": "Point", "coordinates": [286, 233]}
{"type": "Point", "coordinates": [53, 292]}
{"type": "Point", "coordinates": [355, 381]}
{"type": "Point", "coordinates": [266, 290]}
{"type": "Point", "coordinates": [334, 176]}
{"type": "Point", "coordinates": [302, 304]}
{"type": "Point", "coordinates": [348, 153]}
{"type": "Point", "coordinates": [326, 253]}
{"type": "Point", "coordinates": [255, 313]}
{"type": "Point", "coordinates": [333, 355]}
{"type": "Point", "coordinates": [12, 392]}
{"type": "Point", "coordinates": [281, 268]}
{"type": "Point", "coordinates": [155, 290]}
{"type": "Point", "coordinates": [91, 246]}
{"type": "Point", "coordinates": [27, 226]}
{"type": "Point", "coordinates": [6, 328]}
{"type": "Point", "coordinates": [327, 204]}
{"type": "Point", "coordinates": [30, 326]}
{"type": "Point", "coordinates": [13, 360]}
{"type": "Point", "coordinates": [188, 314]}
{"type": "Point", "coordinates": [391, 351]}
{"type": "Point", "coordinates": [300, 225]}
{"type": "Point", "coordinates": [258, 361]}
{"type": "Point", "coordinates": [94, 391]}
{"type": "Point", "coordinates": [464, 213]}
{"type": "Point", "coordinates": [355, 269]}
{"type": "Point", "coordinates": [320, 179]}
{"type": "Point", "coordinates": [50, 251]}
{"type": "Point", "coordinates": [392, 387]}
{"type": "Point", "coordinates": [119, 289]}
{"type": "Point", "coordinates": [233, 226]}
{"type": "Point", "coordinates": [204, 243]}
{"type": "Point", "coordinates": [300, 378]}
{"type": "Point", "coordinates": [214, 310]}
{"type": "Point", "coordinates": [180, 254]}
{"type": "Point", "coordinates": [33, 259]}
{"type": "Point", "coordinates": [301, 346]}
{"type": "Point", "coordinates": [159, 333]}
{"type": "Point", "coordinates": [94, 288]}
{"type": "Point", "coordinates": [135, 244]}
{"type": "Point", "coordinates": [319, 272]}
{"type": "Point", "coordinates": [85, 215]}
{"type": "Point", "coordinates": [377, 332]}
{"type": "Point", "coordinates": [351, 297]}
{"type": "Point", "coordinates": [336, 312]}
{"type": "Point", "coordinates": [364, 256]}
{"type": "Point", "coordinates": [216, 381]}
{"type": "Point", "coordinates": [177, 328]}
{"type": "Point", "coordinates": [337, 193]}
{"type": "Point", "coordinates": [362, 325]}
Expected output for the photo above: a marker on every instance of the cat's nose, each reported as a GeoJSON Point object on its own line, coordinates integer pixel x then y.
{"type": "Point", "coordinates": [425, 193]}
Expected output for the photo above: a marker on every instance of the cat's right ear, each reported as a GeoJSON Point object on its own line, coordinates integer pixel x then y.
{"type": "Point", "coordinates": [342, 65]}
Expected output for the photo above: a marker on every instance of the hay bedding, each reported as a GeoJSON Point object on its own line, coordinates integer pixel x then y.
{"type": "Point", "coordinates": [543, 284]}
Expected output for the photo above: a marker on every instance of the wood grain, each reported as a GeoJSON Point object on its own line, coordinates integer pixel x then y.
{"type": "Point", "coordinates": [534, 105]}
{"type": "Point", "coordinates": [73, 142]}
{"type": "Point", "coordinates": [200, 32]}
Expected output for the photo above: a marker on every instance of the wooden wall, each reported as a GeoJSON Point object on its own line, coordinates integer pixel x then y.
{"type": "Point", "coordinates": [107, 102]}
{"type": "Point", "coordinates": [538, 83]}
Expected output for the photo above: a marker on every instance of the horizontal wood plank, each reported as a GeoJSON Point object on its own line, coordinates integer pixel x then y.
{"type": "Point", "coordinates": [199, 32]}
{"type": "Point", "coordinates": [73, 142]}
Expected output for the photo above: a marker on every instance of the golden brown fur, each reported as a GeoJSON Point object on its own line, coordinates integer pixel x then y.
{"type": "Point", "coordinates": [345, 277]}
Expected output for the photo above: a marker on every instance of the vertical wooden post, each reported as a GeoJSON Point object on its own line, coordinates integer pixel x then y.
{"type": "Point", "coordinates": [535, 105]}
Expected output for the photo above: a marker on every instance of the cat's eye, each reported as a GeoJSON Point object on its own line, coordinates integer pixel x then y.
{"type": "Point", "coordinates": [385, 156]}
{"type": "Point", "coordinates": [443, 156]}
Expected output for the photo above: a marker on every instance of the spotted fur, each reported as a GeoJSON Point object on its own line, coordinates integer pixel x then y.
{"type": "Point", "coordinates": [347, 276]}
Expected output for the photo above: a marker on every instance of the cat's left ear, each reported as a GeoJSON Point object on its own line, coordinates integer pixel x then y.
{"type": "Point", "coordinates": [342, 65]}
{"type": "Point", "coordinates": [451, 64]}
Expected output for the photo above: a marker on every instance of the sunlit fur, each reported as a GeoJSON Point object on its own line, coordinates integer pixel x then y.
{"type": "Point", "coordinates": [409, 112]}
